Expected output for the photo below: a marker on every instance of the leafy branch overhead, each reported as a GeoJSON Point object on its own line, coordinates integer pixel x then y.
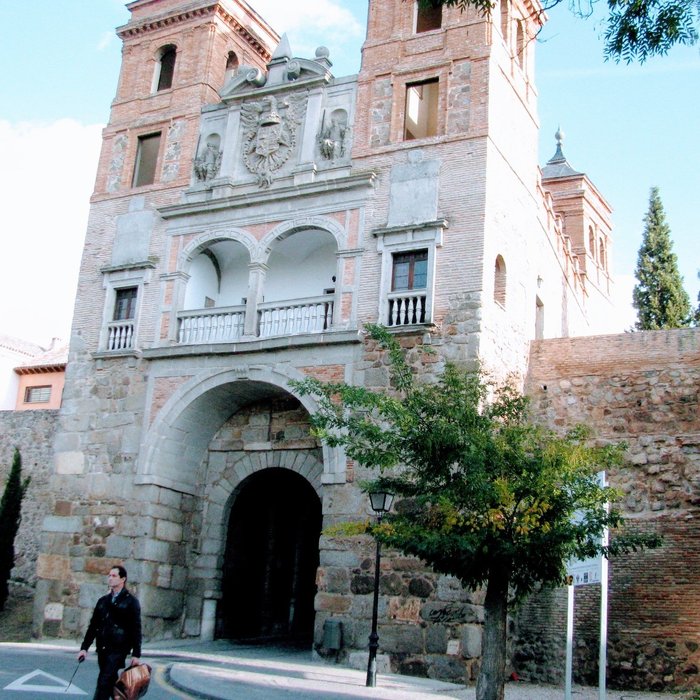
{"type": "Point", "coordinates": [483, 493]}
{"type": "Point", "coordinates": [634, 29]}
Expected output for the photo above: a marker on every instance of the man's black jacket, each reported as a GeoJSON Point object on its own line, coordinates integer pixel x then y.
{"type": "Point", "coordinates": [116, 625]}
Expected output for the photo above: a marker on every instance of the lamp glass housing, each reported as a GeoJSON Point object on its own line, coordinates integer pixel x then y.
{"type": "Point", "coordinates": [381, 501]}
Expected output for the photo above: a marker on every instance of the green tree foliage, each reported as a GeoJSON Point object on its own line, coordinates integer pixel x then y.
{"type": "Point", "coordinates": [10, 515]}
{"type": "Point", "coordinates": [634, 29]}
{"type": "Point", "coordinates": [659, 296]}
{"type": "Point", "coordinates": [483, 493]}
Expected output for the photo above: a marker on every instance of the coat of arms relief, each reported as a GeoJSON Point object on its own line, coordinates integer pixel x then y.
{"type": "Point", "coordinates": [270, 128]}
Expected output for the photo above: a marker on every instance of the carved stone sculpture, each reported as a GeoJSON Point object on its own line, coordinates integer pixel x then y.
{"type": "Point", "coordinates": [207, 164]}
{"type": "Point", "coordinates": [270, 134]}
{"type": "Point", "coordinates": [334, 137]}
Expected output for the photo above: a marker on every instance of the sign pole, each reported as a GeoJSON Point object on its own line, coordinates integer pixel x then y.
{"type": "Point", "coordinates": [603, 651]}
{"type": "Point", "coordinates": [569, 638]}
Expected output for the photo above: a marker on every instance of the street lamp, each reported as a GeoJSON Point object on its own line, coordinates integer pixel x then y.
{"type": "Point", "coordinates": [381, 503]}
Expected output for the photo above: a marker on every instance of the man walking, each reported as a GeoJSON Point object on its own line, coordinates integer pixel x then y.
{"type": "Point", "coordinates": [116, 624]}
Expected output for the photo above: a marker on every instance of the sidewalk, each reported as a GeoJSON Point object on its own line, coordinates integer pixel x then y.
{"type": "Point", "coordinates": [256, 672]}
{"type": "Point", "coordinates": [223, 670]}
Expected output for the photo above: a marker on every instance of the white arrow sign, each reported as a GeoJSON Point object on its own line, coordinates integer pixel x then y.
{"type": "Point", "coordinates": [48, 684]}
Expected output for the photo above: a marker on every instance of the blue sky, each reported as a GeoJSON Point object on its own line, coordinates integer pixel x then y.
{"type": "Point", "coordinates": [629, 127]}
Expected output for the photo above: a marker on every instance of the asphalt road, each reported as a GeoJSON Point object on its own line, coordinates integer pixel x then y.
{"type": "Point", "coordinates": [34, 674]}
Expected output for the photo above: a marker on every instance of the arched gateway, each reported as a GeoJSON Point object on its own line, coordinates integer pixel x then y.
{"type": "Point", "coordinates": [240, 446]}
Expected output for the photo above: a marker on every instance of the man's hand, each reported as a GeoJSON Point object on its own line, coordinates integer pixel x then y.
{"type": "Point", "coordinates": [82, 654]}
{"type": "Point", "coordinates": [135, 661]}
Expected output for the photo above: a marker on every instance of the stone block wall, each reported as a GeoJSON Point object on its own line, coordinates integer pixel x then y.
{"type": "Point", "coordinates": [32, 432]}
{"type": "Point", "coordinates": [643, 389]}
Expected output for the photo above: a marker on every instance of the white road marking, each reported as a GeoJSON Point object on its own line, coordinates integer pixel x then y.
{"type": "Point", "coordinates": [54, 684]}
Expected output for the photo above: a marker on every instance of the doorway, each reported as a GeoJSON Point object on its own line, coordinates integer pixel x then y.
{"type": "Point", "coordinates": [270, 562]}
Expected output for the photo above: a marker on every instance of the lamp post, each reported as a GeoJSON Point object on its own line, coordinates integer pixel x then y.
{"type": "Point", "coordinates": [381, 503]}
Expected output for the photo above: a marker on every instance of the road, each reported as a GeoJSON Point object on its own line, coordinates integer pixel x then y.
{"type": "Point", "coordinates": [34, 674]}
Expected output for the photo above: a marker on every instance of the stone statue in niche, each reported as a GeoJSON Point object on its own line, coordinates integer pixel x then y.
{"type": "Point", "coordinates": [270, 134]}
{"type": "Point", "coordinates": [335, 135]}
{"type": "Point", "coordinates": [207, 164]}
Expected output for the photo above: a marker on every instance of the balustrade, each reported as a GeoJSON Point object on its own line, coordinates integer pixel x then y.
{"type": "Point", "coordinates": [406, 308]}
{"type": "Point", "coordinates": [222, 325]}
{"type": "Point", "coordinates": [120, 335]}
{"type": "Point", "coordinates": [311, 315]}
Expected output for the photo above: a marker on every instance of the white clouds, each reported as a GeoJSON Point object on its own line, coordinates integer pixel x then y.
{"type": "Point", "coordinates": [105, 40]}
{"type": "Point", "coordinates": [311, 23]}
{"type": "Point", "coordinates": [47, 174]}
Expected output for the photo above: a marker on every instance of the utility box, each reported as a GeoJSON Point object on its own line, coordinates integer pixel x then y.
{"type": "Point", "coordinates": [332, 634]}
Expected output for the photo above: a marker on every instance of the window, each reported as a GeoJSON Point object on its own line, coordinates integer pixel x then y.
{"type": "Point", "coordinates": [428, 18]}
{"type": "Point", "coordinates": [504, 19]}
{"type": "Point", "coordinates": [421, 112]}
{"type": "Point", "coordinates": [410, 271]}
{"type": "Point", "coordinates": [125, 304]}
{"type": "Point", "coordinates": [499, 281]}
{"type": "Point", "coordinates": [37, 394]}
{"type": "Point", "coordinates": [520, 43]}
{"type": "Point", "coordinates": [539, 319]}
{"type": "Point", "coordinates": [121, 329]}
{"type": "Point", "coordinates": [146, 159]}
{"type": "Point", "coordinates": [166, 68]}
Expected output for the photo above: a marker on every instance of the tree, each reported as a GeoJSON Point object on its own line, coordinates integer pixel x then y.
{"type": "Point", "coordinates": [634, 29]}
{"type": "Point", "coordinates": [10, 516]}
{"type": "Point", "coordinates": [483, 493]}
{"type": "Point", "coordinates": [658, 296]}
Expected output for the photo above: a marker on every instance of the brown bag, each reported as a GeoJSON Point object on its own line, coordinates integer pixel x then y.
{"type": "Point", "coordinates": [133, 683]}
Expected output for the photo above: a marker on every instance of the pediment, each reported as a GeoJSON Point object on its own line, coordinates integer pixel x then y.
{"type": "Point", "coordinates": [283, 70]}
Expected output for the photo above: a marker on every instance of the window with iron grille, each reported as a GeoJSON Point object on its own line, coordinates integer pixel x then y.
{"type": "Point", "coordinates": [37, 394]}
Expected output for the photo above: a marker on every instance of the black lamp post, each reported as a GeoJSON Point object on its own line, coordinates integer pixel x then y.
{"type": "Point", "coordinates": [381, 503]}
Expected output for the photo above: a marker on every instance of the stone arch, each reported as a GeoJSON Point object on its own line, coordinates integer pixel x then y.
{"type": "Point", "coordinates": [288, 228]}
{"type": "Point", "coordinates": [199, 243]}
{"type": "Point", "coordinates": [177, 439]}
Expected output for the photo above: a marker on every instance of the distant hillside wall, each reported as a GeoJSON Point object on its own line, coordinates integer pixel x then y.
{"type": "Point", "coordinates": [32, 432]}
{"type": "Point", "coordinates": [643, 389]}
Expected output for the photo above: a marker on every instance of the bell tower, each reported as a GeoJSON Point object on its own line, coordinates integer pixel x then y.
{"type": "Point", "coordinates": [176, 58]}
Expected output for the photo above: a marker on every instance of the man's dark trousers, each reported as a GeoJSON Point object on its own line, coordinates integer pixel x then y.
{"type": "Point", "coordinates": [109, 662]}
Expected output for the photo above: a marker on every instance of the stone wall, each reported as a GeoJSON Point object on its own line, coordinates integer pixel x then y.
{"type": "Point", "coordinates": [32, 432]}
{"type": "Point", "coordinates": [643, 389]}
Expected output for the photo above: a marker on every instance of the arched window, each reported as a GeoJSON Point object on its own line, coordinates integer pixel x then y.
{"type": "Point", "coordinates": [520, 44]}
{"type": "Point", "coordinates": [591, 241]}
{"type": "Point", "coordinates": [166, 68]}
{"type": "Point", "coordinates": [504, 19]}
{"type": "Point", "coordinates": [601, 254]}
{"type": "Point", "coordinates": [499, 281]}
{"type": "Point", "coordinates": [232, 64]}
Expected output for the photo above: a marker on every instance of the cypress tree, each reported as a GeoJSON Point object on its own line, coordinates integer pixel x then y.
{"type": "Point", "coordinates": [10, 515]}
{"type": "Point", "coordinates": [659, 296]}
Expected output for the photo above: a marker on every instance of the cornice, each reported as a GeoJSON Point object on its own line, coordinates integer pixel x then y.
{"type": "Point", "coordinates": [205, 9]}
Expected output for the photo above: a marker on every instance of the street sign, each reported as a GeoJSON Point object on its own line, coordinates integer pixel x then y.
{"type": "Point", "coordinates": [42, 682]}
